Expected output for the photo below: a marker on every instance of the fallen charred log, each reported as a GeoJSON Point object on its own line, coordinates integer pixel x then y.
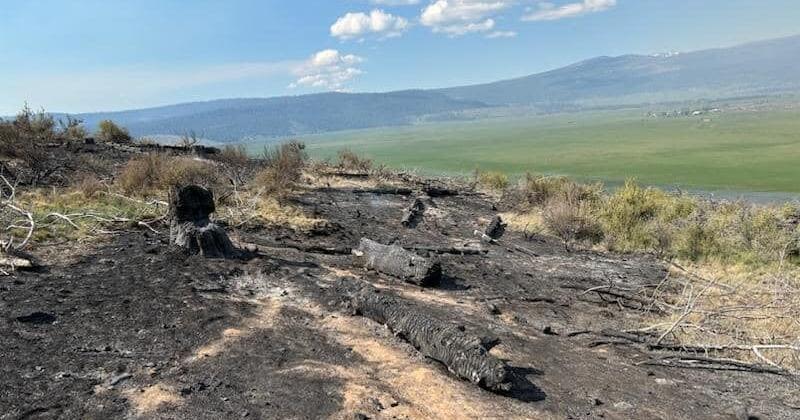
{"type": "Point", "coordinates": [447, 250]}
{"type": "Point", "coordinates": [374, 191]}
{"type": "Point", "coordinates": [398, 262]}
{"type": "Point", "coordinates": [348, 175]}
{"type": "Point", "coordinates": [311, 249]}
{"type": "Point", "coordinates": [437, 191]}
{"type": "Point", "coordinates": [413, 214]}
{"type": "Point", "coordinates": [464, 355]}
{"type": "Point", "coordinates": [190, 227]}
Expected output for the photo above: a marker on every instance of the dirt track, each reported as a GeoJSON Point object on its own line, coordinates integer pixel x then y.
{"type": "Point", "coordinates": [131, 329]}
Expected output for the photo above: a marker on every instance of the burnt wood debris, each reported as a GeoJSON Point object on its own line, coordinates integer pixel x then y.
{"type": "Point", "coordinates": [464, 355]}
{"type": "Point", "coordinates": [191, 228]}
{"type": "Point", "coordinates": [413, 214]}
{"type": "Point", "coordinates": [496, 228]}
{"type": "Point", "coordinates": [398, 262]}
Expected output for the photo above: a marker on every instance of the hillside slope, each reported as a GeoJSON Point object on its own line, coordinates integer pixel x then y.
{"type": "Point", "coordinates": [765, 67]}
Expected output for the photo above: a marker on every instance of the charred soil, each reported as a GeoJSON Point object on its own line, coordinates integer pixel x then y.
{"type": "Point", "coordinates": [130, 328]}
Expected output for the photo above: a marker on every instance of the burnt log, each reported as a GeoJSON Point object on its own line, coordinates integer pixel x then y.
{"type": "Point", "coordinates": [398, 262]}
{"type": "Point", "coordinates": [191, 228]}
{"type": "Point", "coordinates": [465, 356]}
{"type": "Point", "coordinates": [413, 214]}
{"type": "Point", "coordinates": [447, 250]}
{"type": "Point", "coordinates": [496, 228]}
{"type": "Point", "coordinates": [384, 191]}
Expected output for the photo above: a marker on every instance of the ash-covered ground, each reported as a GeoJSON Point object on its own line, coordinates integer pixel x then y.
{"type": "Point", "coordinates": [130, 328]}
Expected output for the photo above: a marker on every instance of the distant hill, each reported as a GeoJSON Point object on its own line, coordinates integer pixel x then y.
{"type": "Point", "coordinates": [759, 68]}
{"type": "Point", "coordinates": [236, 119]}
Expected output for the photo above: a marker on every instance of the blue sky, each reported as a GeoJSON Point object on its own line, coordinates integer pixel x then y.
{"type": "Point", "coordinates": [92, 55]}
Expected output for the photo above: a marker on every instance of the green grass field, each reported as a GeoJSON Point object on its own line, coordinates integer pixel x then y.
{"type": "Point", "coordinates": [744, 151]}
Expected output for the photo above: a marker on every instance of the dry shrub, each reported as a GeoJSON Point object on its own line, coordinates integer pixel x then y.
{"type": "Point", "coordinates": [570, 218]}
{"type": "Point", "coordinates": [272, 212]}
{"type": "Point", "coordinates": [143, 175]}
{"type": "Point", "coordinates": [183, 171]}
{"type": "Point", "coordinates": [283, 168]}
{"type": "Point", "coordinates": [352, 162]}
{"type": "Point", "coordinates": [187, 140]}
{"type": "Point", "coordinates": [146, 141]}
{"type": "Point", "coordinates": [72, 129]}
{"type": "Point", "coordinates": [492, 180]}
{"type": "Point", "coordinates": [236, 164]}
{"type": "Point", "coordinates": [534, 191]}
{"type": "Point", "coordinates": [23, 148]}
{"type": "Point", "coordinates": [154, 174]}
{"type": "Point", "coordinates": [109, 131]}
{"type": "Point", "coordinates": [89, 185]}
{"type": "Point", "coordinates": [318, 168]}
{"type": "Point", "coordinates": [530, 224]}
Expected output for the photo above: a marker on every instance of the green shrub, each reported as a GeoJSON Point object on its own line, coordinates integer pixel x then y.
{"type": "Point", "coordinates": [637, 218]}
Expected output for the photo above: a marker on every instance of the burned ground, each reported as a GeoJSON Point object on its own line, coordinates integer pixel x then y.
{"type": "Point", "coordinates": [128, 328]}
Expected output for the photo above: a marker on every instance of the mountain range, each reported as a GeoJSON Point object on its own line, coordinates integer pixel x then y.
{"type": "Point", "coordinates": [759, 68]}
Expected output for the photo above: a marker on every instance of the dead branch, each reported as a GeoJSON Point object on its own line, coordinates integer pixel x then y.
{"type": "Point", "coordinates": [704, 362]}
{"type": "Point", "coordinates": [686, 312]}
{"type": "Point", "coordinates": [9, 202]}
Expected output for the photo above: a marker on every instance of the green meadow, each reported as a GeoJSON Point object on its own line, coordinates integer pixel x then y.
{"type": "Point", "coordinates": [741, 151]}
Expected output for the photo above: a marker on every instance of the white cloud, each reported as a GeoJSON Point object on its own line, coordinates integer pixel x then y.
{"type": "Point", "coordinates": [327, 69]}
{"type": "Point", "coordinates": [355, 25]}
{"type": "Point", "coordinates": [501, 34]}
{"type": "Point", "coordinates": [459, 17]}
{"type": "Point", "coordinates": [395, 2]}
{"type": "Point", "coordinates": [549, 11]}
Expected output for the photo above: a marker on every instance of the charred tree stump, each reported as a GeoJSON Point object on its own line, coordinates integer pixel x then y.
{"type": "Point", "coordinates": [398, 262]}
{"type": "Point", "coordinates": [464, 355]}
{"type": "Point", "coordinates": [413, 214]}
{"type": "Point", "coordinates": [191, 228]}
{"type": "Point", "coordinates": [496, 228]}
